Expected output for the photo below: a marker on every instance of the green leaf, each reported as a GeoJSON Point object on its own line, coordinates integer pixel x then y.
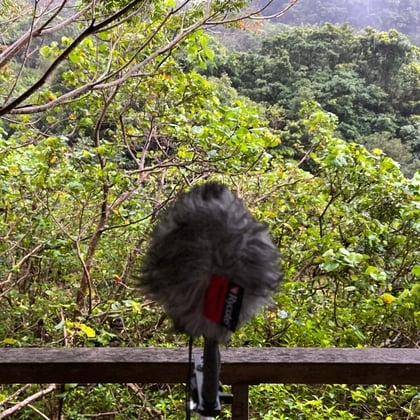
{"type": "Point", "coordinates": [354, 258]}
{"type": "Point", "coordinates": [76, 57]}
{"type": "Point", "coordinates": [376, 273]}
{"type": "Point", "coordinates": [45, 51]}
{"type": "Point", "coordinates": [416, 270]}
{"type": "Point", "coordinates": [330, 266]}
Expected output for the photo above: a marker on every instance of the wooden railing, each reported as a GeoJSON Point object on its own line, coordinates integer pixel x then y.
{"type": "Point", "coordinates": [240, 368]}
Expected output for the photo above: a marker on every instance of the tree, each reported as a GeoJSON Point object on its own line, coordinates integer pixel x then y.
{"type": "Point", "coordinates": [368, 80]}
{"type": "Point", "coordinates": [349, 237]}
{"type": "Point", "coordinates": [133, 45]}
{"type": "Point", "coordinates": [82, 181]}
{"type": "Point", "coordinates": [382, 15]}
{"type": "Point", "coordinates": [153, 30]}
{"type": "Point", "coordinates": [104, 119]}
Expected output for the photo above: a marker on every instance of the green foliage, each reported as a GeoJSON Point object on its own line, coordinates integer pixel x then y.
{"type": "Point", "coordinates": [370, 81]}
{"type": "Point", "coordinates": [403, 15]}
{"type": "Point", "coordinates": [349, 240]}
{"type": "Point", "coordinates": [332, 402]}
{"type": "Point", "coordinates": [349, 237]}
{"type": "Point", "coordinates": [82, 183]}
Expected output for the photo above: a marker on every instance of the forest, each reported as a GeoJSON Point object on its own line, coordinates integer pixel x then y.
{"type": "Point", "coordinates": [109, 109]}
{"type": "Point", "coordinates": [383, 15]}
{"type": "Point", "coordinates": [369, 80]}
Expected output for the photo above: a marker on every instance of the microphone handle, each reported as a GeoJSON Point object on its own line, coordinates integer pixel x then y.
{"type": "Point", "coordinates": [211, 371]}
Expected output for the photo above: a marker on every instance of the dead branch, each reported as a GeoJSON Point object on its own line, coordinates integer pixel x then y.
{"type": "Point", "coordinates": [14, 395]}
{"type": "Point", "coordinates": [22, 404]}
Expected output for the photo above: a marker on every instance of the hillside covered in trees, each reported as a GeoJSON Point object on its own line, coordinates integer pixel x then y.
{"type": "Point", "coordinates": [109, 109]}
{"type": "Point", "coordinates": [383, 15]}
{"type": "Point", "coordinates": [369, 80]}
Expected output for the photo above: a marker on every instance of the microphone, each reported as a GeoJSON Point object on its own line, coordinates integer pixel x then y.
{"type": "Point", "coordinates": [211, 265]}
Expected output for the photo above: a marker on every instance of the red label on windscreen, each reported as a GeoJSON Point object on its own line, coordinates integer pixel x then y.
{"type": "Point", "coordinates": [223, 302]}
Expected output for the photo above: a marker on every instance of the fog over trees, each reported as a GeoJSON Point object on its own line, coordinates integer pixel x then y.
{"type": "Point", "coordinates": [402, 15]}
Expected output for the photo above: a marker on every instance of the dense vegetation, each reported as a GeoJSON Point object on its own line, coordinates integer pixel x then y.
{"type": "Point", "coordinates": [383, 15]}
{"type": "Point", "coordinates": [369, 80]}
{"type": "Point", "coordinates": [90, 155]}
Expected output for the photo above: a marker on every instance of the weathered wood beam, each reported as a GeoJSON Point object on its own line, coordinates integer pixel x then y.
{"type": "Point", "coordinates": [239, 365]}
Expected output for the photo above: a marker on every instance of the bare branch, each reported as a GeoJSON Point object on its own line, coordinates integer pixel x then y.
{"type": "Point", "coordinates": [91, 29]}
{"type": "Point", "coordinates": [19, 264]}
{"type": "Point", "coordinates": [274, 15]}
{"type": "Point", "coordinates": [14, 395]}
{"type": "Point", "coordinates": [13, 104]}
{"type": "Point", "coordinates": [39, 412]}
{"type": "Point", "coordinates": [65, 22]}
{"type": "Point", "coordinates": [127, 70]}
{"type": "Point", "coordinates": [19, 406]}
{"type": "Point", "coordinates": [35, 30]}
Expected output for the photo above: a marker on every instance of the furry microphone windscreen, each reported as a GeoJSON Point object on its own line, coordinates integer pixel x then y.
{"type": "Point", "coordinates": [210, 263]}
